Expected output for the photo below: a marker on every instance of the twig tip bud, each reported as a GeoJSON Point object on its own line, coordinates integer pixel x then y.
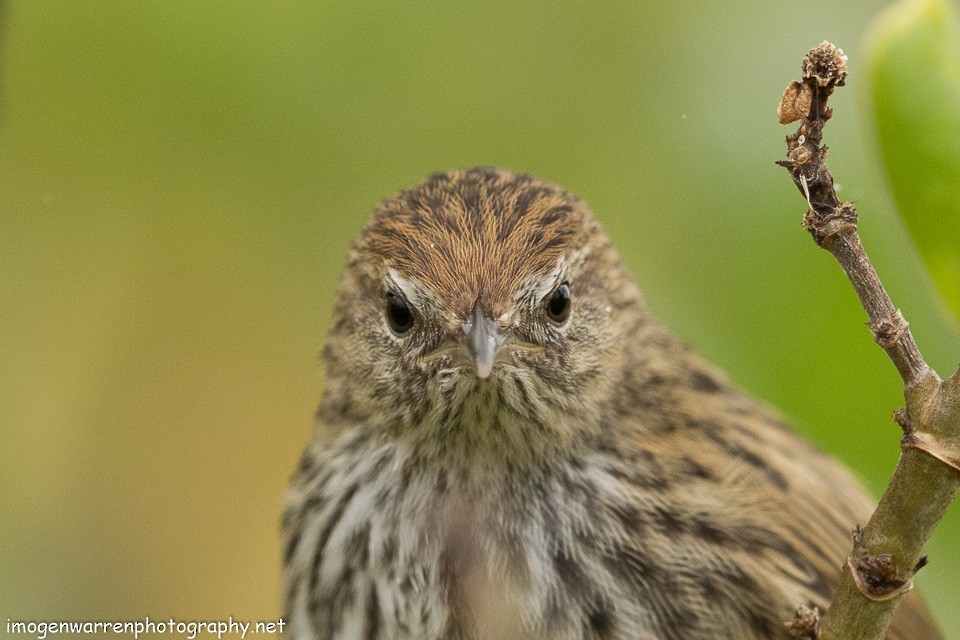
{"type": "Point", "coordinates": [826, 64]}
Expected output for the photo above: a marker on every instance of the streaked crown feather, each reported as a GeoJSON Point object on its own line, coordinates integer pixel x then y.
{"type": "Point", "coordinates": [475, 234]}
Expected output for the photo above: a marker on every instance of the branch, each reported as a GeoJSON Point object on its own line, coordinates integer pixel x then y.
{"type": "Point", "coordinates": [888, 551]}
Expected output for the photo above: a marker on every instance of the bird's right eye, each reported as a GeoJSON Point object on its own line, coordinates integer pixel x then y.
{"type": "Point", "coordinates": [558, 307]}
{"type": "Point", "coordinates": [399, 316]}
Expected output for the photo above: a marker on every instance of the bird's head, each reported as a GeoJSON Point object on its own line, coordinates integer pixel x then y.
{"type": "Point", "coordinates": [479, 297]}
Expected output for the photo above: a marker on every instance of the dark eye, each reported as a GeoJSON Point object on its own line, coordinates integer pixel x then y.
{"type": "Point", "coordinates": [558, 307]}
{"type": "Point", "coordinates": [398, 314]}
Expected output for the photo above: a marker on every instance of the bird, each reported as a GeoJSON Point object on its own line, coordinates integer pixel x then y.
{"type": "Point", "coordinates": [510, 444]}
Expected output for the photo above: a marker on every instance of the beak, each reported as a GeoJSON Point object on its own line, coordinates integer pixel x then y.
{"type": "Point", "coordinates": [483, 338]}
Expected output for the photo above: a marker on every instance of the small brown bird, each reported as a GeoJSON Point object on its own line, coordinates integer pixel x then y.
{"type": "Point", "coordinates": [510, 445]}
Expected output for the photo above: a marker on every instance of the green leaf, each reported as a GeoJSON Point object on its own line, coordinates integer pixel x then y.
{"type": "Point", "coordinates": [914, 82]}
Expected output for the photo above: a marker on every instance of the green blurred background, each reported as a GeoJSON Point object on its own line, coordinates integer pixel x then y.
{"type": "Point", "coordinates": [180, 181]}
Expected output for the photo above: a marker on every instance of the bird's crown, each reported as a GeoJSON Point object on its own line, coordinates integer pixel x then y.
{"type": "Point", "coordinates": [475, 235]}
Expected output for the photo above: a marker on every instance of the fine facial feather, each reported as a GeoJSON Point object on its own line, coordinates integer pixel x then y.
{"type": "Point", "coordinates": [603, 482]}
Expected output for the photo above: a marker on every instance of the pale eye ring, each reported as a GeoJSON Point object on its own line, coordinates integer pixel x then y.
{"type": "Point", "coordinates": [558, 305]}
{"type": "Point", "coordinates": [398, 313]}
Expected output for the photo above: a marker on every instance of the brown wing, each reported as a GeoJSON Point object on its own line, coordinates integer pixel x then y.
{"type": "Point", "coordinates": [833, 497]}
{"type": "Point", "coordinates": [808, 501]}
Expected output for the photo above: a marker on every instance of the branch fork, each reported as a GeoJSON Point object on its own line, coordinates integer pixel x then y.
{"type": "Point", "coordinates": [937, 432]}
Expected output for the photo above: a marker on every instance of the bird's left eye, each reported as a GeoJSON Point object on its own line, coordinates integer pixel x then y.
{"type": "Point", "coordinates": [558, 307]}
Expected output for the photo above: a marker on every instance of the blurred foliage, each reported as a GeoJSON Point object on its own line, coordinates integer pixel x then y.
{"type": "Point", "coordinates": [180, 181]}
{"type": "Point", "coordinates": [914, 70]}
